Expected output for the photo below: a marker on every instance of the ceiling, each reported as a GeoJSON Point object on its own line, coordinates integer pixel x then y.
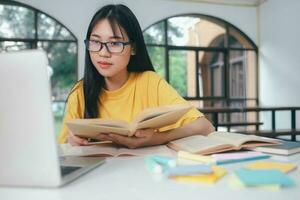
{"type": "Point", "coordinates": [228, 2]}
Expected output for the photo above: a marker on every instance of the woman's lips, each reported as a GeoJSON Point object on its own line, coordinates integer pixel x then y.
{"type": "Point", "coordinates": [104, 64]}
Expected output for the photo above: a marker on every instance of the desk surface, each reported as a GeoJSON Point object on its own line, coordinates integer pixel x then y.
{"type": "Point", "coordinates": [127, 178]}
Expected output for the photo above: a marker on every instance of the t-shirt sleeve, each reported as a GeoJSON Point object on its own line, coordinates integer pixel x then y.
{"type": "Point", "coordinates": [167, 95]}
{"type": "Point", "coordinates": [73, 111]}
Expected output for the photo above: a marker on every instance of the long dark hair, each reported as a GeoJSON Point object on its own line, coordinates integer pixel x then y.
{"type": "Point", "coordinates": [93, 82]}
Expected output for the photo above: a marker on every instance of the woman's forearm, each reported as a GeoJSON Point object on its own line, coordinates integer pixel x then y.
{"type": "Point", "coordinates": [200, 126]}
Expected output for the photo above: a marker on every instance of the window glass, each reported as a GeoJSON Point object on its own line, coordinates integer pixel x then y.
{"type": "Point", "coordinates": [242, 74]}
{"type": "Point", "coordinates": [157, 56]}
{"type": "Point", "coordinates": [195, 31]}
{"type": "Point", "coordinates": [14, 46]}
{"type": "Point", "coordinates": [62, 60]}
{"type": "Point", "coordinates": [208, 58]}
{"type": "Point", "coordinates": [155, 34]}
{"type": "Point", "coordinates": [16, 22]}
{"type": "Point", "coordinates": [178, 71]}
{"type": "Point", "coordinates": [50, 29]}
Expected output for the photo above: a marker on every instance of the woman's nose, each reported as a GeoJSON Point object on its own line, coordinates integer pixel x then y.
{"type": "Point", "coordinates": [104, 52]}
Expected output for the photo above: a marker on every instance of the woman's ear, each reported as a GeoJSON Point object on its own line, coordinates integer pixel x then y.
{"type": "Point", "coordinates": [133, 49]}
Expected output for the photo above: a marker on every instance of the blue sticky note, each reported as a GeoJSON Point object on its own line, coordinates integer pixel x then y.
{"type": "Point", "coordinates": [263, 177]}
{"type": "Point", "coordinates": [164, 160]}
{"type": "Point", "coordinates": [189, 170]}
{"type": "Point", "coordinates": [153, 166]}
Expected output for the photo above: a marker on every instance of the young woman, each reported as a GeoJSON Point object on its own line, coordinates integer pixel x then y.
{"type": "Point", "coordinates": [119, 81]}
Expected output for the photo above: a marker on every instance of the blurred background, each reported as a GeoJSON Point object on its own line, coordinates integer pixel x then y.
{"type": "Point", "coordinates": [229, 54]}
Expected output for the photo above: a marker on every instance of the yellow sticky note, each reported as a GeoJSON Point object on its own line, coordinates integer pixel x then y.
{"type": "Point", "coordinates": [218, 172]}
{"type": "Point", "coordinates": [235, 182]}
{"type": "Point", "coordinates": [284, 167]}
{"type": "Point", "coordinates": [195, 157]}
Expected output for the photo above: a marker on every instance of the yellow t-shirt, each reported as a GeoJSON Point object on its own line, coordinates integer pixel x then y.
{"type": "Point", "coordinates": [141, 90]}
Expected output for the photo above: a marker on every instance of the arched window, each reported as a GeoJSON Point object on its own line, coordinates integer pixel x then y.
{"type": "Point", "coordinates": [24, 27]}
{"type": "Point", "coordinates": [206, 59]}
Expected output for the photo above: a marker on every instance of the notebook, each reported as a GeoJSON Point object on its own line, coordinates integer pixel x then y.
{"type": "Point", "coordinates": [29, 155]}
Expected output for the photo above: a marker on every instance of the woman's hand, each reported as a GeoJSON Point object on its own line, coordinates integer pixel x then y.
{"type": "Point", "coordinates": [76, 141]}
{"type": "Point", "coordinates": [141, 138]}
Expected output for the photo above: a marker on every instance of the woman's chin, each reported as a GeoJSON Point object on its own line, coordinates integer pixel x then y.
{"type": "Point", "coordinates": [105, 72]}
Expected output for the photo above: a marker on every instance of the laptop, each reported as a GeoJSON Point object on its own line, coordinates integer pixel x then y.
{"type": "Point", "coordinates": [29, 154]}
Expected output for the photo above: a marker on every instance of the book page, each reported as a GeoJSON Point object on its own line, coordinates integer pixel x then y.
{"type": "Point", "coordinates": [232, 138]}
{"type": "Point", "coordinates": [87, 128]}
{"type": "Point", "coordinates": [154, 150]}
{"type": "Point", "coordinates": [116, 123]}
{"type": "Point", "coordinates": [113, 150]}
{"type": "Point", "coordinates": [164, 118]}
{"type": "Point", "coordinates": [93, 150]}
{"type": "Point", "coordinates": [199, 144]}
{"type": "Point", "coordinates": [101, 122]}
{"type": "Point", "coordinates": [242, 140]}
{"type": "Point", "coordinates": [151, 113]}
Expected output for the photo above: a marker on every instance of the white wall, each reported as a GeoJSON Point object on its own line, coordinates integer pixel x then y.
{"type": "Point", "coordinates": [280, 53]}
{"type": "Point", "coordinates": [76, 14]}
{"type": "Point", "coordinates": [280, 56]}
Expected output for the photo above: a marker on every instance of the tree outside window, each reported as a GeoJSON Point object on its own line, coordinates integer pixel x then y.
{"type": "Point", "coordinates": [23, 27]}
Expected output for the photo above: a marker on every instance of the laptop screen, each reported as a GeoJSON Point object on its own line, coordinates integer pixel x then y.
{"type": "Point", "coordinates": [28, 145]}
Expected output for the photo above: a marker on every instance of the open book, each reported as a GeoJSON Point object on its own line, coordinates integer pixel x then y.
{"type": "Point", "coordinates": [219, 142]}
{"type": "Point", "coordinates": [110, 149]}
{"type": "Point", "coordinates": [149, 118]}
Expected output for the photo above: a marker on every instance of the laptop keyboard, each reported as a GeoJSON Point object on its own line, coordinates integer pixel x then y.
{"type": "Point", "coordinates": [65, 170]}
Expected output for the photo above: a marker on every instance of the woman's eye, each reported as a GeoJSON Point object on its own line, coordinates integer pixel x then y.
{"type": "Point", "coordinates": [115, 43]}
{"type": "Point", "coordinates": [94, 42]}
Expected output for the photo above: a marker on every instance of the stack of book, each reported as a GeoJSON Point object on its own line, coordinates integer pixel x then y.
{"type": "Point", "coordinates": [168, 167]}
{"type": "Point", "coordinates": [204, 174]}
{"type": "Point", "coordinates": [285, 148]}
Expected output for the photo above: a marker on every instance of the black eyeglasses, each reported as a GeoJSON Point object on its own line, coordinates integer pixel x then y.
{"type": "Point", "coordinates": [112, 47]}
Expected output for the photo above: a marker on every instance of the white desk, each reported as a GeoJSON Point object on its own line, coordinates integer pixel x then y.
{"type": "Point", "coordinates": [127, 178]}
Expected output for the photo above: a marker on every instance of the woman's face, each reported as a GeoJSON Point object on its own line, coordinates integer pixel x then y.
{"type": "Point", "coordinates": [110, 64]}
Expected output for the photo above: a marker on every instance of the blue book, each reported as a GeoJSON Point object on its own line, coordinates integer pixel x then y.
{"type": "Point", "coordinates": [285, 148]}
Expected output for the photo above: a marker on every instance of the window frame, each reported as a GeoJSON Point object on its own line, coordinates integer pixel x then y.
{"type": "Point", "coordinates": [224, 50]}
{"type": "Point", "coordinates": [33, 42]}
